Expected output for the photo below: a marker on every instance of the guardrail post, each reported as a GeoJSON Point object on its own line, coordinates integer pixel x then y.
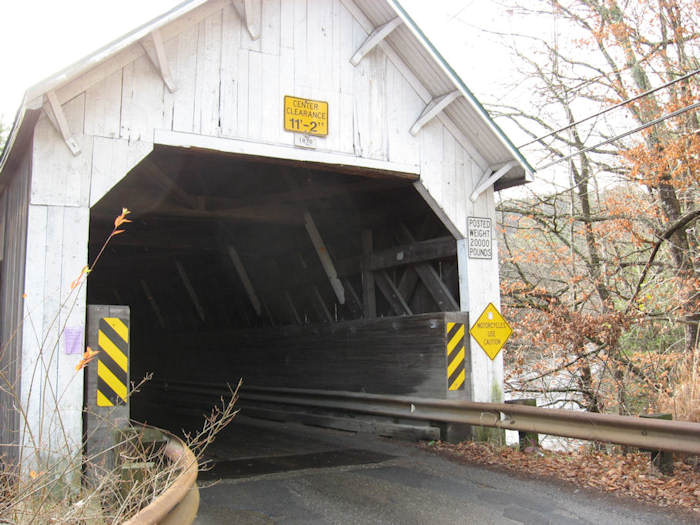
{"type": "Point", "coordinates": [526, 439]}
{"type": "Point", "coordinates": [661, 459]}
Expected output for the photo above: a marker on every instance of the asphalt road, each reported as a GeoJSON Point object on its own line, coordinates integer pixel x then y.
{"type": "Point", "coordinates": [292, 474]}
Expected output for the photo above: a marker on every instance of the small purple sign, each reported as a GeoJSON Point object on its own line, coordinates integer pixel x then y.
{"type": "Point", "coordinates": [73, 340]}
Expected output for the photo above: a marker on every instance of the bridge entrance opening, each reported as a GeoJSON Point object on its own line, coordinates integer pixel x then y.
{"type": "Point", "coordinates": [279, 273]}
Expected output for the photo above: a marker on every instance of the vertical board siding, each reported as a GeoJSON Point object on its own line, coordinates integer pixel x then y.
{"type": "Point", "coordinates": [142, 100]}
{"type": "Point", "coordinates": [59, 177]}
{"type": "Point", "coordinates": [50, 387]}
{"type": "Point", "coordinates": [16, 198]}
{"type": "Point", "coordinates": [230, 86]}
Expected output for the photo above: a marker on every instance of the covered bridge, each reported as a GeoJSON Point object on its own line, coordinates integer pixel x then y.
{"type": "Point", "coordinates": [301, 176]}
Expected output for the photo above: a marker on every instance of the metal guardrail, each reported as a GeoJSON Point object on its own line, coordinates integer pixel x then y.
{"type": "Point", "coordinates": [179, 503]}
{"type": "Point", "coordinates": [653, 434]}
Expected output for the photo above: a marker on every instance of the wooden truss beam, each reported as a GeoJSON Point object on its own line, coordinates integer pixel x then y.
{"type": "Point", "coordinates": [369, 302]}
{"type": "Point", "coordinates": [379, 34]}
{"type": "Point", "coordinates": [391, 293]}
{"type": "Point", "coordinates": [160, 60]}
{"type": "Point", "coordinates": [292, 308]}
{"type": "Point", "coordinates": [416, 252]}
{"type": "Point", "coordinates": [353, 300]}
{"type": "Point", "coordinates": [59, 121]}
{"type": "Point", "coordinates": [152, 301]}
{"type": "Point", "coordinates": [433, 109]}
{"type": "Point", "coordinates": [430, 278]}
{"type": "Point", "coordinates": [250, 12]}
{"type": "Point", "coordinates": [324, 257]}
{"type": "Point", "coordinates": [243, 275]}
{"type": "Point", "coordinates": [190, 290]}
{"type": "Point", "coordinates": [153, 171]}
{"type": "Point", "coordinates": [321, 308]}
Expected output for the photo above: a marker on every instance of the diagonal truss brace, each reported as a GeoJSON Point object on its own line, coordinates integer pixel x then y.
{"type": "Point", "coordinates": [324, 257]}
{"type": "Point", "coordinates": [433, 109]}
{"type": "Point", "coordinates": [250, 12]}
{"type": "Point", "coordinates": [379, 34]}
{"type": "Point", "coordinates": [489, 178]}
{"type": "Point", "coordinates": [58, 119]}
{"type": "Point", "coordinates": [159, 59]}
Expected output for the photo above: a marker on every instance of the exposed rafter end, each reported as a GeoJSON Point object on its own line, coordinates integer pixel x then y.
{"type": "Point", "coordinates": [379, 34]}
{"type": "Point", "coordinates": [434, 108]}
{"type": "Point", "coordinates": [250, 12]}
{"type": "Point", "coordinates": [160, 60]}
{"type": "Point", "coordinates": [490, 177]}
{"type": "Point", "coordinates": [58, 119]}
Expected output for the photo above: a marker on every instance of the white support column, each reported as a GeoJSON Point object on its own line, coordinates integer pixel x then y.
{"type": "Point", "coordinates": [58, 119]}
{"type": "Point", "coordinates": [325, 258]}
{"type": "Point", "coordinates": [374, 39]}
{"type": "Point", "coordinates": [433, 109]}
{"type": "Point", "coordinates": [250, 12]}
{"type": "Point", "coordinates": [479, 286]}
{"type": "Point", "coordinates": [243, 275]}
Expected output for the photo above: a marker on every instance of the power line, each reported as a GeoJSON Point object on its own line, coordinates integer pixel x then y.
{"type": "Point", "coordinates": [622, 135]}
{"type": "Point", "coordinates": [624, 102]}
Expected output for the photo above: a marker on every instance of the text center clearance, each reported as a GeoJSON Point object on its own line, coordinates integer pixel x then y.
{"type": "Point", "coordinates": [303, 115]}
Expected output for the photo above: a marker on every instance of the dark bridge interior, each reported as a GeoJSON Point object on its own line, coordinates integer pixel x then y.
{"type": "Point", "coordinates": [235, 267]}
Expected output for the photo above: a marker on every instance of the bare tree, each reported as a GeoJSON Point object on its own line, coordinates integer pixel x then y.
{"type": "Point", "coordinates": [614, 255]}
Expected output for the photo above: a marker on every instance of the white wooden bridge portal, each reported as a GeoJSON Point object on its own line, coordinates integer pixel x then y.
{"type": "Point", "coordinates": [300, 175]}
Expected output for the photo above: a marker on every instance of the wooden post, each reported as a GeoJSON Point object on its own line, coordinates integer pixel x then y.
{"type": "Point", "coordinates": [661, 459]}
{"type": "Point", "coordinates": [369, 303]}
{"type": "Point", "coordinates": [526, 439]}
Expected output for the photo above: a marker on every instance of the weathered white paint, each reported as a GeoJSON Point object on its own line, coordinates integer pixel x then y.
{"type": "Point", "coordinates": [256, 149]}
{"type": "Point", "coordinates": [230, 88]}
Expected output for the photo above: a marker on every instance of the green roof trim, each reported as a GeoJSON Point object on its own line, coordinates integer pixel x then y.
{"type": "Point", "coordinates": [458, 80]}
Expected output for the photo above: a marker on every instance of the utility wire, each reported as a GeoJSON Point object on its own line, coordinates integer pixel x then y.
{"type": "Point", "coordinates": [653, 90]}
{"type": "Point", "coordinates": [622, 135]}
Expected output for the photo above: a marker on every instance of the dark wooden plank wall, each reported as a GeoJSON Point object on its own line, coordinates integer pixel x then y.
{"type": "Point", "coordinates": [13, 242]}
{"type": "Point", "coordinates": [395, 355]}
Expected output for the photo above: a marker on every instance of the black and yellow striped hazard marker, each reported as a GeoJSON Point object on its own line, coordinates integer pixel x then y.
{"type": "Point", "coordinates": [455, 356]}
{"type": "Point", "coordinates": [112, 362]}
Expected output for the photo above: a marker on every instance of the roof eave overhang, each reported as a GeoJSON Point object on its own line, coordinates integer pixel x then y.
{"type": "Point", "coordinates": [34, 96]}
{"type": "Point", "coordinates": [521, 174]}
{"type": "Point", "coordinates": [30, 109]}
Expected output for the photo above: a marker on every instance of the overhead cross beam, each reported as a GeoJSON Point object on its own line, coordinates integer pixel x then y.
{"type": "Point", "coordinates": [379, 34]}
{"type": "Point", "coordinates": [250, 12]}
{"type": "Point", "coordinates": [430, 278]}
{"type": "Point", "coordinates": [433, 109]}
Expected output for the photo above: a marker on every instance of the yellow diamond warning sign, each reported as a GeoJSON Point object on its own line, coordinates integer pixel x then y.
{"type": "Point", "coordinates": [491, 331]}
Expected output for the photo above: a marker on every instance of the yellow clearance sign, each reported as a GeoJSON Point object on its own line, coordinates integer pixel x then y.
{"type": "Point", "coordinates": [491, 331]}
{"type": "Point", "coordinates": [302, 115]}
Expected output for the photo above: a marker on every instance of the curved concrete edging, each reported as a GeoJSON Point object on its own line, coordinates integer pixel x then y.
{"type": "Point", "coordinates": [178, 505]}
